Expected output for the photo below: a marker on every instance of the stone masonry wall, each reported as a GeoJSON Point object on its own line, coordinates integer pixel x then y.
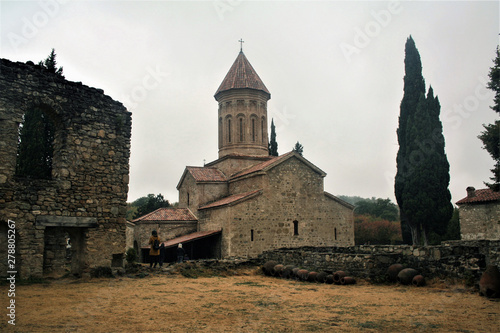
{"type": "Point", "coordinates": [480, 221]}
{"type": "Point", "coordinates": [454, 259]}
{"type": "Point", "coordinates": [291, 192]}
{"type": "Point", "coordinates": [90, 171]}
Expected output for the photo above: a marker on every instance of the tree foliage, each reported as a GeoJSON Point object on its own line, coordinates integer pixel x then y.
{"type": "Point", "coordinates": [298, 148]}
{"type": "Point", "coordinates": [378, 208]}
{"type": "Point", "coordinates": [51, 64]}
{"type": "Point", "coordinates": [35, 147]}
{"type": "Point", "coordinates": [150, 203]}
{"type": "Point", "coordinates": [422, 179]}
{"type": "Point", "coordinates": [273, 145]}
{"type": "Point", "coordinates": [491, 134]}
{"type": "Point", "coordinates": [370, 230]}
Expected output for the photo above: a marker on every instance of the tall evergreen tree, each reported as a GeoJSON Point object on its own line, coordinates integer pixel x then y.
{"type": "Point", "coordinates": [298, 148]}
{"type": "Point", "coordinates": [422, 179]}
{"type": "Point", "coordinates": [414, 87]}
{"type": "Point", "coordinates": [491, 135]}
{"type": "Point", "coordinates": [51, 64]}
{"type": "Point", "coordinates": [426, 199]}
{"type": "Point", "coordinates": [273, 145]}
{"type": "Point", "coordinates": [150, 204]}
{"type": "Point", "coordinates": [35, 150]}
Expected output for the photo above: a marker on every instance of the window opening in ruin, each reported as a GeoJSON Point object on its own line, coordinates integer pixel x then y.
{"type": "Point", "coordinates": [35, 145]}
{"type": "Point", "coordinates": [251, 235]}
{"type": "Point", "coordinates": [295, 228]}
{"type": "Point", "coordinates": [335, 233]}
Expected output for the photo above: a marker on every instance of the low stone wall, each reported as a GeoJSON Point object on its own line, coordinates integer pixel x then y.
{"type": "Point", "coordinates": [454, 259]}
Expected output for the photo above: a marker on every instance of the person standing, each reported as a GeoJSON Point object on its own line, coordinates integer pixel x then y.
{"type": "Point", "coordinates": [154, 251]}
{"type": "Point", "coordinates": [180, 253]}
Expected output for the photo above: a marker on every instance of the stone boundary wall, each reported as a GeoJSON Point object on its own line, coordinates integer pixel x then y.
{"type": "Point", "coordinates": [453, 259]}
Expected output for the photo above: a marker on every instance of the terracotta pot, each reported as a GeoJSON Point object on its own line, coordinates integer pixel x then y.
{"type": "Point", "coordinates": [406, 275]}
{"type": "Point", "coordinates": [312, 276]}
{"type": "Point", "coordinates": [278, 270]}
{"type": "Point", "coordinates": [268, 267]}
{"type": "Point", "coordinates": [418, 280]}
{"type": "Point", "coordinates": [329, 279]}
{"type": "Point", "coordinates": [347, 280]}
{"type": "Point", "coordinates": [489, 284]}
{"type": "Point", "coordinates": [303, 274]}
{"type": "Point", "coordinates": [393, 271]}
{"type": "Point", "coordinates": [295, 273]}
{"type": "Point", "coordinates": [337, 276]}
{"type": "Point", "coordinates": [321, 277]}
{"type": "Point", "coordinates": [288, 272]}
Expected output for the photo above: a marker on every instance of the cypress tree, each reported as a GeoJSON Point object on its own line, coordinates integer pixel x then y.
{"type": "Point", "coordinates": [414, 87]}
{"type": "Point", "coordinates": [273, 145]}
{"type": "Point", "coordinates": [491, 135]}
{"type": "Point", "coordinates": [426, 199]}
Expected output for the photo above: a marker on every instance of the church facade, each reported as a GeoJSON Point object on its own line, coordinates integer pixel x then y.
{"type": "Point", "coordinates": [253, 201]}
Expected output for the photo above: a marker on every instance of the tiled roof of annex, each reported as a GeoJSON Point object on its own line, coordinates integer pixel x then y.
{"type": "Point", "coordinates": [168, 214]}
{"type": "Point", "coordinates": [231, 199]}
{"type": "Point", "coordinates": [206, 174]}
{"type": "Point", "coordinates": [481, 196]}
{"type": "Point", "coordinates": [242, 75]}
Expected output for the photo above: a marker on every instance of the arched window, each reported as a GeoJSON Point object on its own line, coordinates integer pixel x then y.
{"type": "Point", "coordinates": [188, 198]}
{"type": "Point", "coordinates": [36, 145]}
{"type": "Point", "coordinates": [295, 228]}
{"type": "Point", "coordinates": [242, 137]}
{"type": "Point", "coordinates": [220, 132]}
{"type": "Point", "coordinates": [335, 233]}
{"type": "Point", "coordinates": [229, 130]}
{"type": "Point", "coordinates": [253, 130]}
{"type": "Point", "coordinates": [262, 129]}
{"type": "Point", "coordinates": [251, 235]}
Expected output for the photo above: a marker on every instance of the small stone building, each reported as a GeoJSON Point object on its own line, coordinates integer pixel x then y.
{"type": "Point", "coordinates": [74, 220]}
{"type": "Point", "coordinates": [479, 215]}
{"type": "Point", "coordinates": [248, 201]}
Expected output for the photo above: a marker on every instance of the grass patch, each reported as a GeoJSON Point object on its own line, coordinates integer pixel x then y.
{"type": "Point", "coordinates": [250, 284]}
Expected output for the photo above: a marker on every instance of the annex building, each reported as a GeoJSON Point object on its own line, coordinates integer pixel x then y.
{"type": "Point", "coordinates": [247, 202]}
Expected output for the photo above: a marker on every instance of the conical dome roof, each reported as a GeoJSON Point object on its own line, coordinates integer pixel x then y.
{"type": "Point", "coordinates": [242, 75]}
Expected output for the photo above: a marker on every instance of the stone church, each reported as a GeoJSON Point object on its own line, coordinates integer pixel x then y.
{"type": "Point", "coordinates": [247, 201]}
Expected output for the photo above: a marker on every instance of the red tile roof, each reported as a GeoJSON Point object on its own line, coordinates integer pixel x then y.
{"type": "Point", "coordinates": [260, 166]}
{"type": "Point", "coordinates": [231, 199]}
{"type": "Point", "coordinates": [168, 214]}
{"type": "Point", "coordinates": [187, 238]}
{"type": "Point", "coordinates": [483, 195]}
{"type": "Point", "coordinates": [273, 162]}
{"type": "Point", "coordinates": [204, 174]}
{"type": "Point", "coordinates": [242, 75]}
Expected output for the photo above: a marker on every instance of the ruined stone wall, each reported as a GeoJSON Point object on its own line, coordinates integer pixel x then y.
{"type": "Point", "coordinates": [90, 168]}
{"type": "Point", "coordinates": [454, 259]}
{"type": "Point", "coordinates": [480, 221]}
{"type": "Point", "coordinates": [293, 193]}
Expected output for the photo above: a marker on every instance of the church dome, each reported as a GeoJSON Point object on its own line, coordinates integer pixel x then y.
{"type": "Point", "coordinates": [241, 75]}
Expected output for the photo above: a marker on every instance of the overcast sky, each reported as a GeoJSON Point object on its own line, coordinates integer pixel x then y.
{"type": "Point", "coordinates": [334, 69]}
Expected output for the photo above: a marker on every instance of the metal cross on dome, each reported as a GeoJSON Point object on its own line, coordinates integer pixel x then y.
{"type": "Point", "coordinates": [241, 44]}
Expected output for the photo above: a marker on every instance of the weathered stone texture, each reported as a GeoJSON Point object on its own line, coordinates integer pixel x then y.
{"type": "Point", "coordinates": [90, 169]}
{"type": "Point", "coordinates": [480, 221]}
{"type": "Point", "coordinates": [456, 259]}
{"type": "Point", "coordinates": [291, 192]}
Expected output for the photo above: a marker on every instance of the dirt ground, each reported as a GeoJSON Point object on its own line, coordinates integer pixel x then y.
{"type": "Point", "coordinates": [244, 301]}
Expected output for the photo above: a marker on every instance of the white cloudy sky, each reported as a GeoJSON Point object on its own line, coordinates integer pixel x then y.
{"type": "Point", "coordinates": [334, 69]}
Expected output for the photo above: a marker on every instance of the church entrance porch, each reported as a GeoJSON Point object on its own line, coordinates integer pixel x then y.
{"type": "Point", "coordinates": [198, 245]}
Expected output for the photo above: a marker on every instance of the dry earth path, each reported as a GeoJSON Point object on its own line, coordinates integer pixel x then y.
{"type": "Point", "coordinates": [245, 301]}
